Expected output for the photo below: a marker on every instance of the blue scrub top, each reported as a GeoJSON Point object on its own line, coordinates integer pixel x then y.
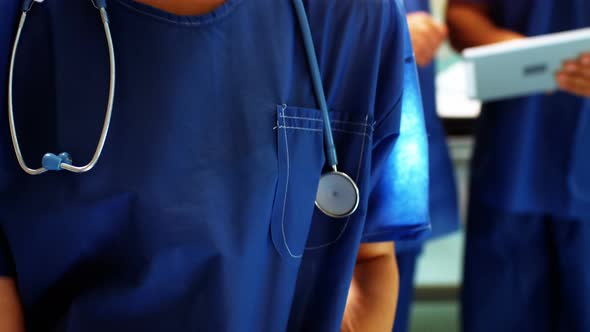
{"type": "Point", "coordinates": [200, 214]}
{"type": "Point", "coordinates": [530, 155]}
{"type": "Point", "coordinates": [443, 207]}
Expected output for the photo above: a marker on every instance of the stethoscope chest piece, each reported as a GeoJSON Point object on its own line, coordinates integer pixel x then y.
{"type": "Point", "coordinates": [338, 195]}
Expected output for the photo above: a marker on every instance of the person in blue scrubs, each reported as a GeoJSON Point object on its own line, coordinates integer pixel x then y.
{"type": "Point", "coordinates": [527, 266]}
{"type": "Point", "coordinates": [199, 215]}
{"type": "Point", "coordinates": [427, 35]}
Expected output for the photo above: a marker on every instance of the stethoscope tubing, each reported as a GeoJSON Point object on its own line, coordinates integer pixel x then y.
{"type": "Point", "coordinates": [316, 81]}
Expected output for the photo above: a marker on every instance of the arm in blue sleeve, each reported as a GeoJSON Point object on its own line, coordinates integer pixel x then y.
{"type": "Point", "coordinates": [398, 203]}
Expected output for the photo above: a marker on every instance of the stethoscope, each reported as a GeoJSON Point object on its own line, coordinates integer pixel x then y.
{"type": "Point", "coordinates": [63, 161]}
{"type": "Point", "coordinates": [338, 194]}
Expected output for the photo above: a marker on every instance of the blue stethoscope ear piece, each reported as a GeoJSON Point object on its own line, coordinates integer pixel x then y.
{"type": "Point", "coordinates": [51, 162]}
{"type": "Point", "coordinates": [338, 195]}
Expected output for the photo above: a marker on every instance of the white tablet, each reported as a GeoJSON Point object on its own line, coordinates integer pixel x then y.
{"type": "Point", "coordinates": [521, 67]}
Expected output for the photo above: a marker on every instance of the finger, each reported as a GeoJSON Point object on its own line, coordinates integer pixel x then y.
{"type": "Point", "coordinates": [426, 36]}
{"type": "Point", "coordinates": [421, 30]}
{"type": "Point", "coordinates": [443, 29]}
{"type": "Point", "coordinates": [421, 61]}
{"type": "Point", "coordinates": [574, 85]}
{"type": "Point", "coordinates": [579, 83]}
{"type": "Point", "coordinates": [421, 52]}
{"type": "Point", "coordinates": [576, 69]}
{"type": "Point", "coordinates": [424, 53]}
{"type": "Point", "coordinates": [441, 32]}
{"type": "Point", "coordinates": [584, 63]}
{"type": "Point", "coordinates": [434, 30]}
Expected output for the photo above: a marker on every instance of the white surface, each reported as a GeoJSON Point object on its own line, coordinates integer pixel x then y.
{"type": "Point", "coordinates": [441, 262]}
{"type": "Point", "coordinates": [451, 95]}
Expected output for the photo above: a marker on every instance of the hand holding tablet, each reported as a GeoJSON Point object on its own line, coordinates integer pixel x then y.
{"type": "Point", "coordinates": [574, 76]}
{"type": "Point", "coordinates": [531, 65]}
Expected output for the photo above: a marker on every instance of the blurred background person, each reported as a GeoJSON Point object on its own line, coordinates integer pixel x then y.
{"type": "Point", "coordinates": [427, 36]}
{"type": "Point", "coordinates": [527, 266]}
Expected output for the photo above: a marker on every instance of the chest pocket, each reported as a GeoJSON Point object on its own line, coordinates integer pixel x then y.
{"type": "Point", "coordinates": [353, 135]}
{"type": "Point", "coordinates": [300, 154]}
{"type": "Point", "coordinates": [301, 161]}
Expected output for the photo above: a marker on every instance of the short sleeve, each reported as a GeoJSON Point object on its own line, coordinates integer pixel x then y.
{"type": "Point", "coordinates": [398, 202]}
